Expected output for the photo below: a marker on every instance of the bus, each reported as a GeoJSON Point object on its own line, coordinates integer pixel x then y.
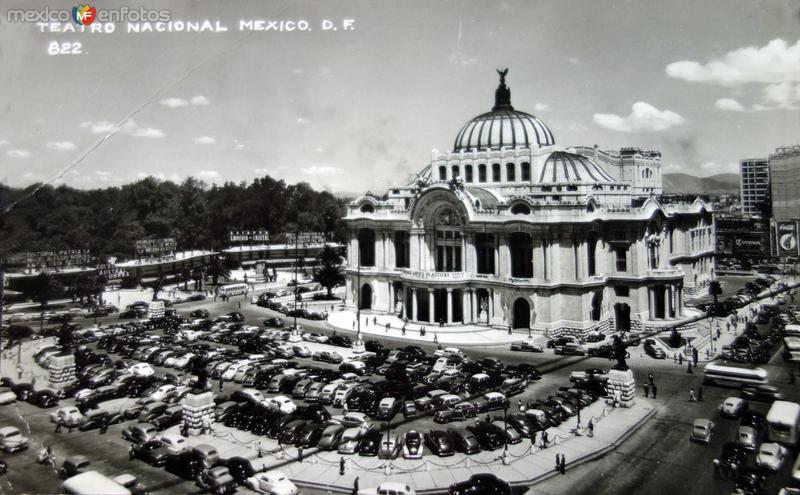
{"type": "Point", "coordinates": [733, 374]}
{"type": "Point", "coordinates": [233, 290]}
{"type": "Point", "coordinates": [783, 419]}
{"type": "Point", "coordinates": [93, 483]}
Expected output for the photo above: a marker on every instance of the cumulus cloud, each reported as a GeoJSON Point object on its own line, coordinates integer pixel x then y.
{"type": "Point", "coordinates": [210, 175]}
{"type": "Point", "coordinates": [61, 145]}
{"type": "Point", "coordinates": [783, 95]}
{"type": "Point", "coordinates": [325, 170]}
{"type": "Point", "coordinates": [18, 153]}
{"type": "Point", "coordinates": [729, 105]}
{"type": "Point", "coordinates": [541, 107]}
{"type": "Point", "coordinates": [643, 117]}
{"type": "Point", "coordinates": [713, 168]}
{"type": "Point", "coordinates": [200, 101]}
{"type": "Point", "coordinates": [261, 171]}
{"type": "Point", "coordinates": [147, 132]}
{"type": "Point", "coordinates": [174, 102]}
{"type": "Point", "coordinates": [130, 127]}
{"type": "Point", "coordinates": [774, 62]}
{"type": "Point", "coordinates": [3, 142]}
{"type": "Point", "coordinates": [205, 140]}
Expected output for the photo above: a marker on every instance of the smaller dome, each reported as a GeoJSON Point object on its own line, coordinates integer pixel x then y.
{"type": "Point", "coordinates": [562, 167]}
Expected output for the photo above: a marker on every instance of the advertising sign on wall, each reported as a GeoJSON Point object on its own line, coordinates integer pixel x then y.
{"type": "Point", "coordinates": [786, 238]}
{"type": "Point", "coordinates": [155, 246]}
{"type": "Point", "coordinates": [248, 236]}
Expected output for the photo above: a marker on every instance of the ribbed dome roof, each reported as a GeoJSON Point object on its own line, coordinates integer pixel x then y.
{"type": "Point", "coordinates": [503, 126]}
{"type": "Point", "coordinates": [561, 167]}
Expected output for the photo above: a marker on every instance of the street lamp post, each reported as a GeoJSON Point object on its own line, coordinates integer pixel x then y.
{"type": "Point", "coordinates": [296, 238]}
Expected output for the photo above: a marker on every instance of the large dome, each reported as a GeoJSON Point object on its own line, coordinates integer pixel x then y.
{"type": "Point", "coordinates": [503, 126]}
{"type": "Point", "coordinates": [562, 167]}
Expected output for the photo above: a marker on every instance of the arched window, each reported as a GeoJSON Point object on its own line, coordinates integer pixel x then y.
{"type": "Point", "coordinates": [496, 172]}
{"type": "Point", "coordinates": [442, 173]}
{"type": "Point", "coordinates": [481, 173]}
{"type": "Point", "coordinates": [454, 172]}
{"type": "Point", "coordinates": [525, 174]}
{"type": "Point", "coordinates": [468, 173]}
{"type": "Point", "coordinates": [520, 209]}
{"type": "Point", "coordinates": [510, 172]}
{"type": "Point", "coordinates": [367, 208]}
{"type": "Point", "coordinates": [591, 250]}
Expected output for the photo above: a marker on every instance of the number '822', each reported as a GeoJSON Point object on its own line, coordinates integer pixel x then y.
{"type": "Point", "coordinates": [64, 48]}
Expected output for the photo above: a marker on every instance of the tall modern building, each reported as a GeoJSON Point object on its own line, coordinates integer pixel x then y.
{"type": "Point", "coordinates": [754, 185]}
{"type": "Point", "coordinates": [784, 167]}
{"type": "Point", "coordinates": [510, 230]}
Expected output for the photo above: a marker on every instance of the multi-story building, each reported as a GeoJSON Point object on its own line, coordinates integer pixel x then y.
{"type": "Point", "coordinates": [784, 167]}
{"type": "Point", "coordinates": [513, 231]}
{"type": "Point", "coordinates": [640, 169]}
{"type": "Point", "coordinates": [754, 181]}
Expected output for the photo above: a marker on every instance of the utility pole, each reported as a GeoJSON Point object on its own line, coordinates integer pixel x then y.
{"type": "Point", "coordinates": [296, 282]}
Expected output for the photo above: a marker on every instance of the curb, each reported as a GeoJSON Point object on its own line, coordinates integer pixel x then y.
{"type": "Point", "coordinates": [577, 462]}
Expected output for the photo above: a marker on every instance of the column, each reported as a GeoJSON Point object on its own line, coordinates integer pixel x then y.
{"type": "Point", "coordinates": [650, 296]}
{"type": "Point", "coordinates": [449, 305]}
{"type": "Point", "coordinates": [491, 306]}
{"type": "Point", "coordinates": [414, 304]}
{"type": "Point", "coordinates": [680, 300]}
{"type": "Point", "coordinates": [391, 297]}
{"type": "Point", "coordinates": [431, 312]}
{"type": "Point", "coordinates": [466, 312]}
{"type": "Point", "coordinates": [404, 312]}
{"type": "Point", "coordinates": [503, 258]}
{"type": "Point", "coordinates": [413, 251]}
{"type": "Point", "coordinates": [473, 305]}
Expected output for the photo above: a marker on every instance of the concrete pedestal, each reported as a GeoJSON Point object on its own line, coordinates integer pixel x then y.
{"type": "Point", "coordinates": [197, 407]}
{"type": "Point", "coordinates": [295, 336]}
{"type": "Point", "coordinates": [621, 383]}
{"type": "Point", "coordinates": [62, 371]}
{"type": "Point", "coordinates": [358, 346]}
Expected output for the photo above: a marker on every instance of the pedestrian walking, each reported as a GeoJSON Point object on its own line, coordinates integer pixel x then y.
{"type": "Point", "coordinates": [300, 454]}
{"type": "Point", "coordinates": [366, 322]}
{"type": "Point", "coordinates": [59, 424]}
{"type": "Point", "coordinates": [19, 372]}
{"type": "Point", "coordinates": [692, 397]}
{"type": "Point", "coordinates": [544, 439]}
{"type": "Point", "coordinates": [341, 465]}
{"type": "Point", "coordinates": [185, 429]}
{"type": "Point", "coordinates": [654, 390]}
{"type": "Point", "coordinates": [70, 425]}
{"type": "Point", "coordinates": [558, 462]}
{"type": "Point", "coordinates": [104, 425]}
{"type": "Point", "coordinates": [700, 394]}
{"type": "Point", "coordinates": [258, 448]}
{"type": "Point", "coordinates": [375, 320]}
{"type": "Point", "coordinates": [680, 358]}
{"type": "Point", "coordinates": [646, 390]}
{"type": "Point", "coordinates": [675, 358]}
{"type": "Point", "coordinates": [206, 425]}
{"type": "Point", "coordinates": [387, 327]}
{"type": "Point", "coordinates": [355, 486]}
{"type": "Point", "coordinates": [591, 426]}
{"type": "Point", "coordinates": [435, 338]}
{"type": "Point", "coordinates": [694, 355]}
{"type": "Point", "coordinates": [354, 324]}
{"type": "Point", "coordinates": [240, 304]}
{"type": "Point", "coordinates": [651, 378]}
{"type": "Point", "coordinates": [563, 464]}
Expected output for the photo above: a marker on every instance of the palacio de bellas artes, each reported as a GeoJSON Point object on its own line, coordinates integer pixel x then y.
{"type": "Point", "coordinates": [510, 229]}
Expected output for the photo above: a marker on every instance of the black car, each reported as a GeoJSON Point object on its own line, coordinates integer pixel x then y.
{"type": "Point", "coordinates": [732, 454]}
{"type": "Point", "coordinates": [762, 393]}
{"type": "Point", "coordinates": [480, 484]}
{"type": "Point", "coordinates": [236, 316]}
{"type": "Point", "coordinates": [309, 436]}
{"type": "Point", "coordinates": [152, 452]}
{"type": "Point", "coordinates": [187, 464]}
{"type": "Point", "coordinates": [489, 436]}
{"type": "Point", "coordinates": [373, 346]}
{"type": "Point", "coordinates": [273, 322]}
{"type": "Point", "coordinates": [439, 442]}
{"type": "Point", "coordinates": [464, 441]}
{"type": "Point", "coordinates": [524, 425]}
{"type": "Point", "coordinates": [23, 391]}
{"type": "Point", "coordinates": [370, 443]}
{"type": "Point", "coordinates": [291, 432]}
{"type": "Point", "coordinates": [240, 469]}
{"type": "Point", "coordinates": [340, 341]}
{"type": "Point", "coordinates": [44, 398]}
{"type": "Point", "coordinates": [750, 481]}
{"type": "Point", "coordinates": [200, 313]}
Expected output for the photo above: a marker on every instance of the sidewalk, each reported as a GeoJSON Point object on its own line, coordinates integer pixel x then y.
{"type": "Point", "coordinates": [524, 465]}
{"type": "Point", "coordinates": [460, 335]}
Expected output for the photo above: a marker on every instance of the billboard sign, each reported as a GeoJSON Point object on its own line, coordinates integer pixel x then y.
{"type": "Point", "coordinates": [52, 260]}
{"type": "Point", "coordinates": [111, 272]}
{"type": "Point", "coordinates": [248, 236]}
{"type": "Point", "coordinates": [742, 236]}
{"type": "Point", "coordinates": [305, 238]}
{"type": "Point", "coordinates": [786, 238]}
{"type": "Point", "coordinates": [155, 246]}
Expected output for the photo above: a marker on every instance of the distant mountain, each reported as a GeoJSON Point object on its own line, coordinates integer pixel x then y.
{"type": "Point", "coordinates": [689, 184]}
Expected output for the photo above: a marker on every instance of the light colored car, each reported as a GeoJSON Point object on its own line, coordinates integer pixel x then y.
{"type": "Point", "coordinates": [349, 441]}
{"type": "Point", "coordinates": [142, 369]}
{"type": "Point", "coordinates": [389, 487]}
{"type": "Point", "coordinates": [11, 440]}
{"type": "Point", "coordinates": [162, 392]}
{"type": "Point", "coordinates": [174, 442]}
{"type": "Point", "coordinates": [512, 435]}
{"type": "Point", "coordinates": [302, 351]}
{"type": "Point", "coordinates": [733, 407]}
{"type": "Point", "coordinates": [352, 420]}
{"type": "Point", "coordinates": [272, 482]}
{"type": "Point", "coordinates": [702, 430]}
{"type": "Point", "coordinates": [390, 447]}
{"type": "Point", "coordinates": [253, 395]}
{"type": "Point", "coordinates": [281, 403]}
{"type": "Point", "coordinates": [7, 397]}
{"type": "Point", "coordinates": [770, 456]}
{"type": "Point", "coordinates": [68, 415]}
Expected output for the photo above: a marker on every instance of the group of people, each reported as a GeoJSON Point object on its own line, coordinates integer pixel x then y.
{"type": "Point", "coordinates": [650, 386]}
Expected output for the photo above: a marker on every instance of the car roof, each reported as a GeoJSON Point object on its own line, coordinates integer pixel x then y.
{"type": "Point", "coordinates": [8, 429]}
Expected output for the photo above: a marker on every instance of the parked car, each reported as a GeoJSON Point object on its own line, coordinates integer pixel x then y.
{"type": "Point", "coordinates": [216, 480]}
{"type": "Point", "coordinates": [273, 483]}
{"type": "Point", "coordinates": [330, 438]}
{"type": "Point", "coordinates": [412, 445]}
{"type": "Point", "coordinates": [187, 464]}
{"type": "Point", "coordinates": [771, 456]}
{"type": "Point", "coordinates": [464, 441]}
{"type": "Point", "coordinates": [389, 488]}
{"type": "Point", "coordinates": [153, 452]}
{"type": "Point", "coordinates": [733, 407]}
{"type": "Point", "coordinates": [11, 440]}
{"type": "Point", "coordinates": [483, 483]}
{"type": "Point", "coordinates": [76, 464]}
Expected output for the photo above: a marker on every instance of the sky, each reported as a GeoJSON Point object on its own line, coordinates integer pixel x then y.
{"type": "Point", "coordinates": [362, 107]}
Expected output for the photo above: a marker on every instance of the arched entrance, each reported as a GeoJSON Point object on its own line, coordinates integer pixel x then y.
{"type": "Point", "coordinates": [522, 313]}
{"type": "Point", "coordinates": [366, 297]}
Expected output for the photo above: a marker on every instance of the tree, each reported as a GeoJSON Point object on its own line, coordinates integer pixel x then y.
{"type": "Point", "coordinates": [329, 272]}
{"type": "Point", "coordinates": [157, 286]}
{"type": "Point", "coordinates": [44, 287]}
{"type": "Point", "coordinates": [186, 275]}
{"type": "Point", "coordinates": [18, 333]}
{"type": "Point", "coordinates": [65, 336]}
{"type": "Point", "coordinates": [100, 284]}
{"type": "Point", "coordinates": [715, 289]}
{"type": "Point", "coordinates": [218, 269]}
{"type": "Point", "coordinates": [198, 274]}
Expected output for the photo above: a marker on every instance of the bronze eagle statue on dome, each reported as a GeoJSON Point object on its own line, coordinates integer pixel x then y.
{"type": "Point", "coordinates": [502, 74]}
